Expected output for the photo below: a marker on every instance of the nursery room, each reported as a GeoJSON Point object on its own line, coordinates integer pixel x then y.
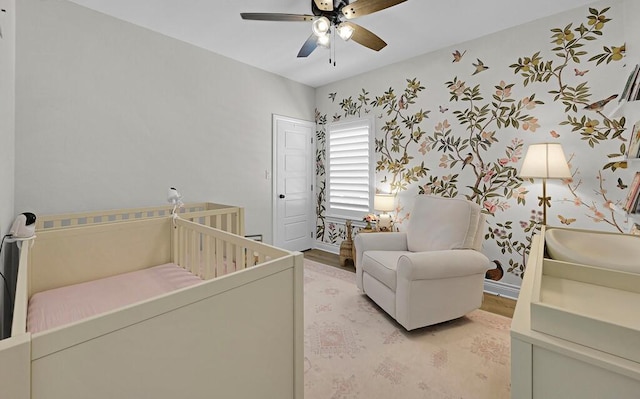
{"type": "Point", "coordinates": [364, 199]}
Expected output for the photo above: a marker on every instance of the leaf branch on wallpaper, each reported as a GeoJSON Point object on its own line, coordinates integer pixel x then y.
{"type": "Point", "coordinates": [321, 122]}
{"type": "Point", "coordinates": [569, 49]}
{"type": "Point", "coordinates": [399, 132]}
{"type": "Point", "coordinates": [594, 211]}
{"type": "Point", "coordinates": [503, 236]}
{"type": "Point", "coordinates": [493, 180]}
{"type": "Point", "coordinates": [351, 107]}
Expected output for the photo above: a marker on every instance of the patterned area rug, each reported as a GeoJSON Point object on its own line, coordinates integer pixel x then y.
{"type": "Point", "coordinates": [353, 350]}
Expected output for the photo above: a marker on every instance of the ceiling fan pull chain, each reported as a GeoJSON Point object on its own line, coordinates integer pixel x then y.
{"type": "Point", "coordinates": [333, 47]}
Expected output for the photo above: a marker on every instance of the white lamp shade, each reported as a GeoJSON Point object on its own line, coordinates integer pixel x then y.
{"type": "Point", "coordinates": [545, 160]}
{"type": "Point", "coordinates": [383, 202]}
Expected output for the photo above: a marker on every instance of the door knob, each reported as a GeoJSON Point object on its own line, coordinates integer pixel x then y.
{"type": "Point", "coordinates": [281, 195]}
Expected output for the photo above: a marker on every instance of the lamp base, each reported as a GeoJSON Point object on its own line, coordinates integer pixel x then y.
{"type": "Point", "coordinates": [384, 222]}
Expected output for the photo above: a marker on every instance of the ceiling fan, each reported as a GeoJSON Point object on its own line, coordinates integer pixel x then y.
{"type": "Point", "coordinates": [336, 14]}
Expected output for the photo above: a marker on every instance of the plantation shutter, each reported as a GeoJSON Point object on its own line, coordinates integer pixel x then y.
{"type": "Point", "coordinates": [350, 174]}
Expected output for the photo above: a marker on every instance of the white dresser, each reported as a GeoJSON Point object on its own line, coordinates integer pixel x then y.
{"type": "Point", "coordinates": [575, 332]}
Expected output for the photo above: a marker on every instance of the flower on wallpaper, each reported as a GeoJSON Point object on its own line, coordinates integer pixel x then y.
{"type": "Point", "coordinates": [500, 233]}
{"type": "Point", "coordinates": [529, 103]}
{"type": "Point", "coordinates": [491, 206]}
{"type": "Point", "coordinates": [519, 194]}
{"type": "Point", "coordinates": [444, 161]}
{"type": "Point", "coordinates": [503, 92]}
{"type": "Point", "coordinates": [456, 88]}
{"type": "Point", "coordinates": [563, 36]}
{"type": "Point", "coordinates": [441, 127]}
{"type": "Point", "coordinates": [530, 124]}
{"type": "Point", "coordinates": [554, 134]}
{"type": "Point", "coordinates": [568, 180]}
{"type": "Point", "coordinates": [488, 174]}
{"type": "Point", "coordinates": [590, 126]}
{"type": "Point", "coordinates": [424, 148]}
{"type": "Point", "coordinates": [597, 215]}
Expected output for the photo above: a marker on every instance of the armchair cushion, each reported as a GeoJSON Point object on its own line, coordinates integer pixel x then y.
{"type": "Point", "coordinates": [439, 223]}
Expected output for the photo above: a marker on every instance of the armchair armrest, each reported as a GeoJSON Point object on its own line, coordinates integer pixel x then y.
{"type": "Point", "coordinates": [379, 242]}
{"type": "Point", "coordinates": [382, 241]}
{"type": "Point", "coordinates": [395, 241]}
{"type": "Point", "coordinates": [442, 264]}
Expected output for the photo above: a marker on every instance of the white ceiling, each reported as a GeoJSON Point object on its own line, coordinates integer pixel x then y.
{"type": "Point", "coordinates": [412, 28]}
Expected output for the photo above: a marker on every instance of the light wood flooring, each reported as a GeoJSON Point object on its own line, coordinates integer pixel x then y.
{"type": "Point", "coordinates": [491, 303]}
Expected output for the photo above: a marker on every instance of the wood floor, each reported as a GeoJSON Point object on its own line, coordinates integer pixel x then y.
{"type": "Point", "coordinates": [491, 303]}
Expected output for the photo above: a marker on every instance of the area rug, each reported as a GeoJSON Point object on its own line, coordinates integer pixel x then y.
{"type": "Point", "coordinates": [354, 350]}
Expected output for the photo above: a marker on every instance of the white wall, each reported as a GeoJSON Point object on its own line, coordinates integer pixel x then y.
{"type": "Point", "coordinates": [7, 145]}
{"type": "Point", "coordinates": [7, 107]}
{"type": "Point", "coordinates": [110, 115]}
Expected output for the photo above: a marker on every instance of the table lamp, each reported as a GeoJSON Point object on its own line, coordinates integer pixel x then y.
{"type": "Point", "coordinates": [545, 161]}
{"type": "Point", "coordinates": [384, 203]}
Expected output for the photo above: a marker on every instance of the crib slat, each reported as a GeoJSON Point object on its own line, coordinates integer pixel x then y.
{"type": "Point", "coordinates": [228, 223]}
{"type": "Point", "coordinates": [206, 255]}
{"type": "Point", "coordinates": [194, 264]}
{"type": "Point", "coordinates": [220, 266]}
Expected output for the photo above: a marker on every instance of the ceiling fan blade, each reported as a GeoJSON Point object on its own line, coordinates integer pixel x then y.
{"type": "Point", "coordinates": [360, 8]}
{"type": "Point", "coordinates": [324, 5]}
{"type": "Point", "coordinates": [266, 16]}
{"type": "Point", "coordinates": [308, 46]}
{"type": "Point", "coordinates": [365, 37]}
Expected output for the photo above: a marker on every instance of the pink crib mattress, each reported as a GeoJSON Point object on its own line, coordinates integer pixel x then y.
{"type": "Point", "coordinates": [56, 307]}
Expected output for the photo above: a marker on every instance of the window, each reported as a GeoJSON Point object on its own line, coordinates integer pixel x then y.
{"type": "Point", "coordinates": [350, 169]}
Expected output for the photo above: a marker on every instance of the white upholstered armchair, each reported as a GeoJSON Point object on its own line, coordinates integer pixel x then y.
{"type": "Point", "coordinates": [431, 273]}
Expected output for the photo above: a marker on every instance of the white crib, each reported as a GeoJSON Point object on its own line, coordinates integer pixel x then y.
{"type": "Point", "coordinates": [237, 334]}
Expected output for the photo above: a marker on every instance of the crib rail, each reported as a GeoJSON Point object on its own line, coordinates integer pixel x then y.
{"type": "Point", "coordinates": [210, 253]}
{"type": "Point", "coordinates": [225, 217]}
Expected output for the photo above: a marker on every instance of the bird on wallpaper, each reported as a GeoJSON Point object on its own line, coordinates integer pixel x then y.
{"type": "Point", "coordinates": [495, 274]}
{"type": "Point", "coordinates": [443, 109]}
{"type": "Point", "coordinates": [599, 105]}
{"type": "Point", "coordinates": [457, 56]}
{"type": "Point", "coordinates": [402, 102]}
{"type": "Point", "coordinates": [554, 134]}
{"type": "Point", "coordinates": [579, 72]}
{"type": "Point", "coordinates": [467, 160]}
{"type": "Point", "coordinates": [479, 66]}
{"type": "Point", "coordinates": [621, 185]}
{"type": "Point", "coordinates": [565, 220]}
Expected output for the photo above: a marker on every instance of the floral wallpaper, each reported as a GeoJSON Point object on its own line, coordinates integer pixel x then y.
{"type": "Point", "coordinates": [456, 123]}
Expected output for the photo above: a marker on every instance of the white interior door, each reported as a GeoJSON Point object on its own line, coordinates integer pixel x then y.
{"type": "Point", "coordinates": [293, 183]}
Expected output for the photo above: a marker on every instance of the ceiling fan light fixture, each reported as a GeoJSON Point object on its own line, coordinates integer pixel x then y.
{"type": "Point", "coordinates": [321, 26]}
{"type": "Point", "coordinates": [345, 31]}
{"type": "Point", "coordinates": [324, 41]}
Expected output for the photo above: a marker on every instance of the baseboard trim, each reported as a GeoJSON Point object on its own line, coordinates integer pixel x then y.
{"type": "Point", "coordinates": [325, 246]}
{"type": "Point", "coordinates": [501, 289]}
{"type": "Point", "coordinates": [491, 287]}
